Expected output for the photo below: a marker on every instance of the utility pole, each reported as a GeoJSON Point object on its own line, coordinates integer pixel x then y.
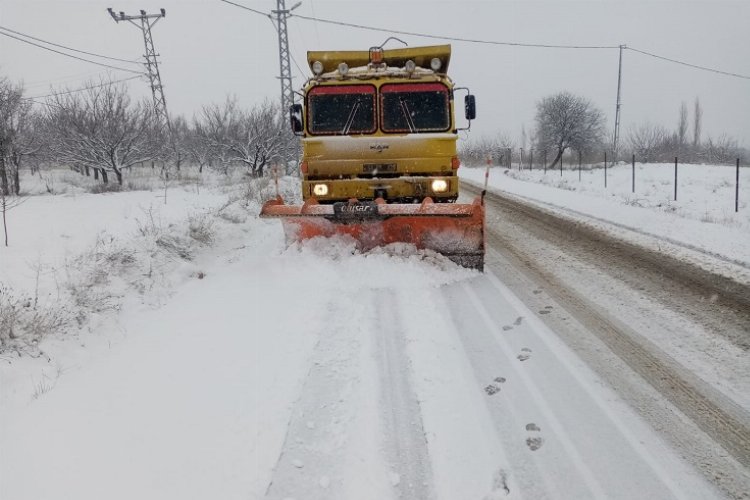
{"type": "Point", "coordinates": [145, 22]}
{"type": "Point", "coordinates": [285, 69]}
{"type": "Point", "coordinates": [616, 141]}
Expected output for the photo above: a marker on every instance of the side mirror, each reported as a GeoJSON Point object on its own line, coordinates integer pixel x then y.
{"type": "Point", "coordinates": [295, 118]}
{"type": "Point", "coordinates": [470, 106]}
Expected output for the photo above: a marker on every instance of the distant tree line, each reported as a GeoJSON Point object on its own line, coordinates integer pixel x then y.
{"type": "Point", "coordinates": [572, 125]}
{"type": "Point", "coordinates": [102, 132]}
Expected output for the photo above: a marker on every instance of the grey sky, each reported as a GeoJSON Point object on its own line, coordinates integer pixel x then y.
{"type": "Point", "coordinates": [210, 49]}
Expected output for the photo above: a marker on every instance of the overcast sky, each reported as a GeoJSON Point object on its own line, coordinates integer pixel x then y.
{"type": "Point", "coordinates": [210, 49]}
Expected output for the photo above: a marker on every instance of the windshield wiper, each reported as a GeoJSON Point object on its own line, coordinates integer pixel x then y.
{"type": "Point", "coordinates": [350, 119]}
{"type": "Point", "coordinates": [407, 114]}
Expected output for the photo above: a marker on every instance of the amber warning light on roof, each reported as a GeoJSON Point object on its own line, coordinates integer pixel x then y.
{"type": "Point", "coordinates": [376, 55]}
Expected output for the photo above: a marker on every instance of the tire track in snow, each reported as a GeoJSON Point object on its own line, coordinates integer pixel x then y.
{"type": "Point", "coordinates": [406, 446]}
{"type": "Point", "coordinates": [318, 451]}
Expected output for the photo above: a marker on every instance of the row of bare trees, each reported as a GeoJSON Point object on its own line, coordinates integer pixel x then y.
{"type": "Point", "coordinates": [656, 143]}
{"type": "Point", "coordinates": [102, 130]}
{"type": "Point", "coordinates": [566, 123]}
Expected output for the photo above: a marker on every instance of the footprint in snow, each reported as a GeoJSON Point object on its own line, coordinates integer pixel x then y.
{"type": "Point", "coordinates": [491, 389]}
{"type": "Point", "coordinates": [499, 486]}
{"type": "Point", "coordinates": [517, 322]}
{"type": "Point", "coordinates": [546, 310]}
{"type": "Point", "coordinates": [534, 441]}
{"type": "Point", "coordinates": [494, 388]}
{"type": "Point", "coordinates": [537, 292]}
{"type": "Point", "coordinates": [525, 354]}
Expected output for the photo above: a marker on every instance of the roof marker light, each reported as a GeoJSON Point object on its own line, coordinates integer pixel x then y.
{"type": "Point", "coordinates": [317, 67]}
{"type": "Point", "coordinates": [410, 66]}
{"type": "Point", "coordinates": [376, 55]}
{"type": "Point", "coordinates": [343, 68]}
{"type": "Point", "coordinates": [436, 63]}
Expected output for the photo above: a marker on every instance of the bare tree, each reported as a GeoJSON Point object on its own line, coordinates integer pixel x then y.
{"type": "Point", "coordinates": [15, 120]}
{"type": "Point", "coordinates": [682, 125]}
{"type": "Point", "coordinates": [498, 148]}
{"type": "Point", "coordinates": [565, 121]}
{"type": "Point", "coordinates": [100, 128]}
{"type": "Point", "coordinates": [253, 139]}
{"type": "Point", "coordinates": [648, 141]}
{"type": "Point", "coordinates": [697, 122]}
{"type": "Point", "coordinates": [722, 150]}
{"type": "Point", "coordinates": [198, 145]}
{"type": "Point", "coordinates": [6, 205]}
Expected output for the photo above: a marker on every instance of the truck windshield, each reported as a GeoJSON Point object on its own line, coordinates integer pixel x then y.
{"type": "Point", "coordinates": [415, 107]}
{"type": "Point", "coordinates": [341, 110]}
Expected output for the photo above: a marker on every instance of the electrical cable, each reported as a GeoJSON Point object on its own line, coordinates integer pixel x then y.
{"type": "Point", "coordinates": [67, 48]}
{"type": "Point", "coordinates": [695, 66]}
{"type": "Point", "coordinates": [81, 89]}
{"type": "Point", "coordinates": [519, 44]}
{"type": "Point", "coordinates": [455, 39]}
{"type": "Point", "coordinates": [247, 8]}
{"type": "Point", "coordinates": [495, 42]}
{"type": "Point", "coordinates": [72, 56]}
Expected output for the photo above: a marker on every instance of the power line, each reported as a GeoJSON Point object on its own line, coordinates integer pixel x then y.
{"type": "Point", "coordinates": [82, 89]}
{"type": "Point", "coordinates": [70, 55]}
{"type": "Point", "coordinates": [454, 39]}
{"type": "Point", "coordinates": [247, 8]}
{"type": "Point", "coordinates": [67, 48]}
{"type": "Point", "coordinates": [518, 44]}
{"type": "Point", "coordinates": [61, 80]}
{"type": "Point", "coordinates": [496, 42]}
{"type": "Point", "coordinates": [683, 63]}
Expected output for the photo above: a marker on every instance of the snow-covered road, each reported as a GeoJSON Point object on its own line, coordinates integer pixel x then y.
{"type": "Point", "coordinates": [315, 372]}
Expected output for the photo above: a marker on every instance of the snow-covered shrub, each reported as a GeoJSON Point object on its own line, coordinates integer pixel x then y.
{"type": "Point", "coordinates": [24, 322]}
{"type": "Point", "coordinates": [201, 228]}
{"type": "Point", "coordinates": [94, 278]}
{"type": "Point", "coordinates": [232, 213]}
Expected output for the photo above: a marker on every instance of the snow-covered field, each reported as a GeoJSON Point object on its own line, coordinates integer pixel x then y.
{"type": "Point", "coordinates": [204, 359]}
{"type": "Point", "coordinates": [701, 225]}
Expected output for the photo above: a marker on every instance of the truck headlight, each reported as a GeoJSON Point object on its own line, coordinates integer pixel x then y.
{"type": "Point", "coordinates": [320, 189]}
{"type": "Point", "coordinates": [439, 186]}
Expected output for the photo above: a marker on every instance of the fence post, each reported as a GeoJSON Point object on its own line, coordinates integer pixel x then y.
{"type": "Point", "coordinates": [737, 188]}
{"type": "Point", "coordinates": [561, 162]}
{"type": "Point", "coordinates": [531, 160]}
{"type": "Point", "coordinates": [545, 162]}
{"type": "Point", "coordinates": [605, 170]}
{"type": "Point", "coordinates": [634, 172]}
{"type": "Point", "coordinates": [675, 178]}
{"type": "Point", "coordinates": [579, 165]}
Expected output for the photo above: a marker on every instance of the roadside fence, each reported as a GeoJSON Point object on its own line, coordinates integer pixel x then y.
{"type": "Point", "coordinates": [538, 160]}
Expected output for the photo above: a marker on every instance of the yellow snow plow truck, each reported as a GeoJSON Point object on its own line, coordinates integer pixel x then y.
{"type": "Point", "coordinates": [379, 159]}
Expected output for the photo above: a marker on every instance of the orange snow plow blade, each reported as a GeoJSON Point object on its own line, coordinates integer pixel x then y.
{"type": "Point", "coordinates": [453, 230]}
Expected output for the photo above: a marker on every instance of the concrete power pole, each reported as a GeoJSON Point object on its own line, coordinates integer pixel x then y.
{"type": "Point", "coordinates": [285, 69]}
{"type": "Point", "coordinates": [145, 23]}
{"type": "Point", "coordinates": [616, 139]}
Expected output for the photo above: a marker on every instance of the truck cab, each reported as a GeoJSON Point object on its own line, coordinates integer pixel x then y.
{"type": "Point", "coordinates": [379, 124]}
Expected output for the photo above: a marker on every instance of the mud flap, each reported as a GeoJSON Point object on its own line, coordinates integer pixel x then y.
{"type": "Point", "coordinates": [453, 230]}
